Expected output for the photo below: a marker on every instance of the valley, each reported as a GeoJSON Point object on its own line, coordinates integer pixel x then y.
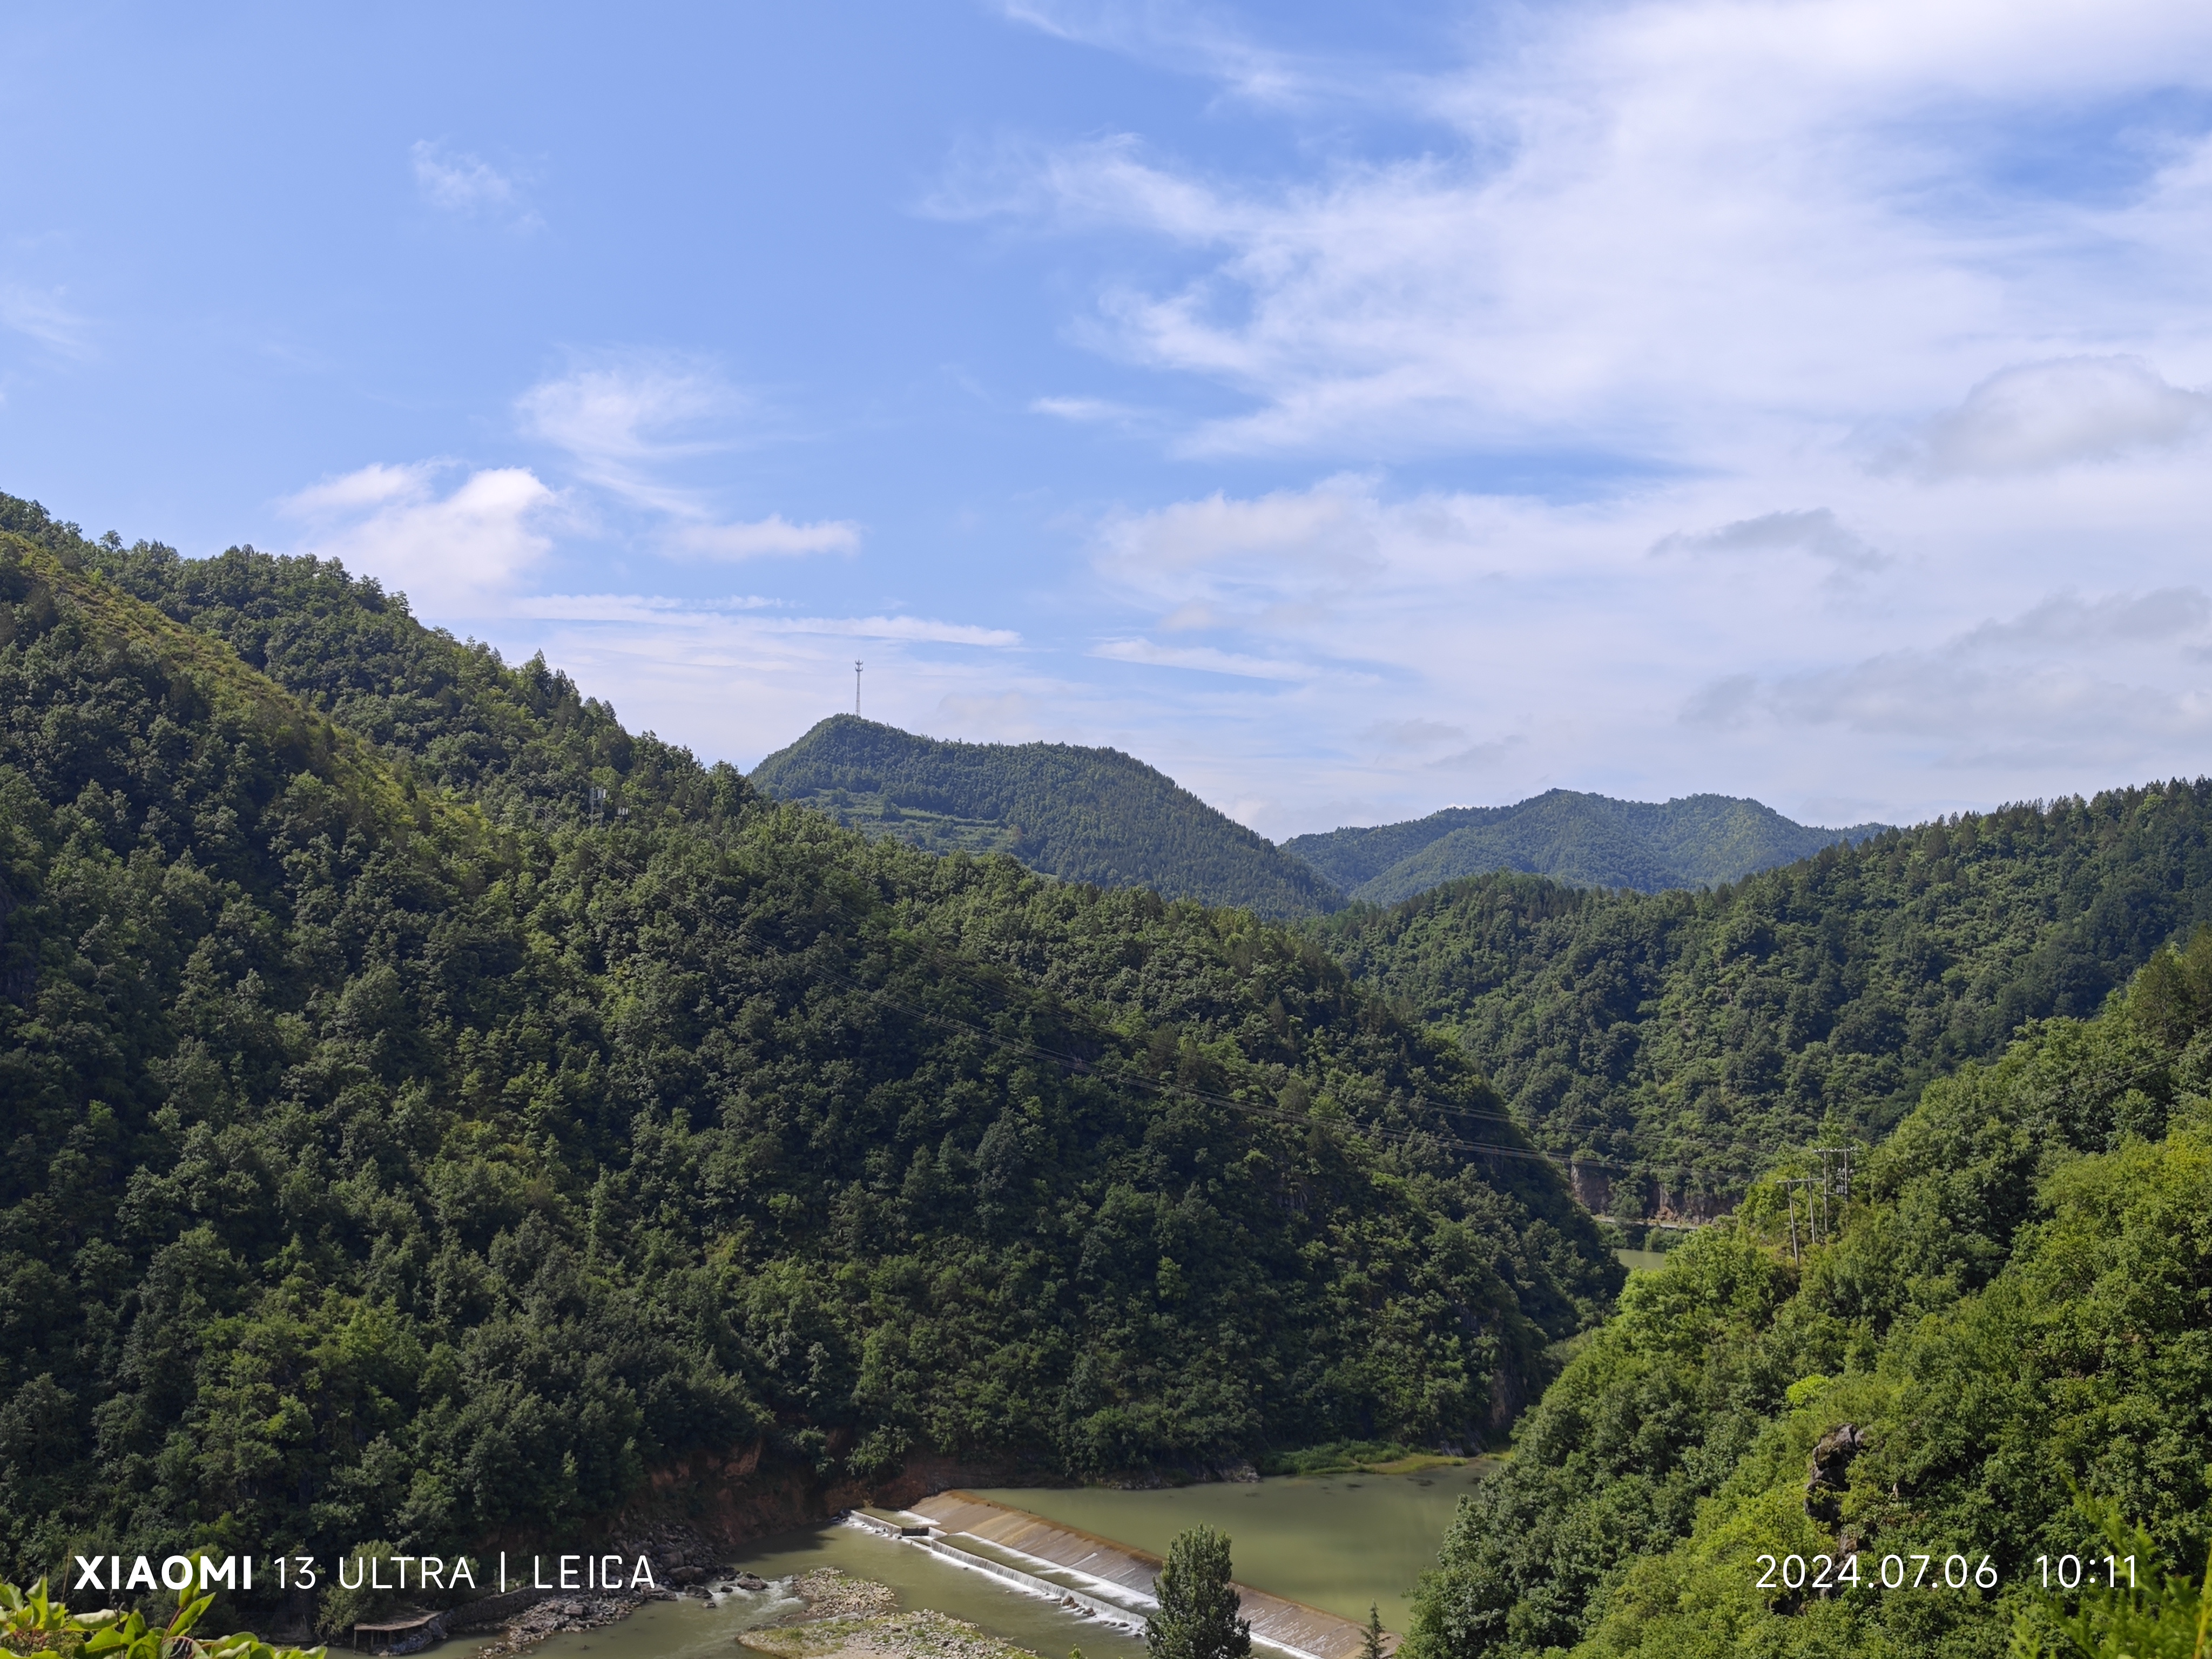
{"type": "Point", "coordinates": [438, 1114]}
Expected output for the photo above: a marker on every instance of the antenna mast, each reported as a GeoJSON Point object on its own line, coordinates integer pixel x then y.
{"type": "Point", "coordinates": [856, 686]}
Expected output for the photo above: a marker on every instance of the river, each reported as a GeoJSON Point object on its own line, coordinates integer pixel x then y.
{"type": "Point", "coordinates": [690, 1629]}
{"type": "Point", "coordinates": [1336, 1542]}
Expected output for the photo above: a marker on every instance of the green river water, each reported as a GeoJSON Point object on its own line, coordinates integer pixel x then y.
{"type": "Point", "coordinates": [1337, 1542]}
{"type": "Point", "coordinates": [692, 1630]}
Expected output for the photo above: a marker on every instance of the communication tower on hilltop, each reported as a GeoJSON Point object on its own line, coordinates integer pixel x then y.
{"type": "Point", "coordinates": [856, 686]}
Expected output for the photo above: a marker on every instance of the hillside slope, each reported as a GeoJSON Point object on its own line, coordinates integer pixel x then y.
{"type": "Point", "coordinates": [1693, 1036]}
{"type": "Point", "coordinates": [1582, 840]}
{"type": "Point", "coordinates": [1093, 815]}
{"type": "Point", "coordinates": [383, 1166]}
{"type": "Point", "coordinates": [521, 741]}
{"type": "Point", "coordinates": [2014, 1306]}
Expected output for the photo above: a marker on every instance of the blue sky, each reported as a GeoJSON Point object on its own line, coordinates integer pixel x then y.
{"type": "Point", "coordinates": [1351, 410]}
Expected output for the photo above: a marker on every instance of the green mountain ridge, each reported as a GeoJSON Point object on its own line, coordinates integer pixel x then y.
{"type": "Point", "coordinates": [401, 1150]}
{"type": "Point", "coordinates": [432, 1112]}
{"type": "Point", "coordinates": [1580, 839]}
{"type": "Point", "coordinates": [1079, 814]}
{"type": "Point", "coordinates": [1690, 1038]}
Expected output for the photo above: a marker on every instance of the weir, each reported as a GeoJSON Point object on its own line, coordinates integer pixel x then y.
{"type": "Point", "coordinates": [1109, 1579]}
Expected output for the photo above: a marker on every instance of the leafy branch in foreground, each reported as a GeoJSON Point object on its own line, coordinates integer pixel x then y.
{"type": "Point", "coordinates": [34, 1623]}
{"type": "Point", "coordinates": [2161, 1615]}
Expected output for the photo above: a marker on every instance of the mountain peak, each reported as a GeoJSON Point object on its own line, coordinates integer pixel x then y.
{"type": "Point", "coordinates": [1078, 813]}
{"type": "Point", "coordinates": [1583, 839]}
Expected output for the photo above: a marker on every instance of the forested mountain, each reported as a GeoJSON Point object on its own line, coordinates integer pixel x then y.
{"type": "Point", "coordinates": [519, 740]}
{"type": "Point", "coordinates": [397, 1151]}
{"type": "Point", "coordinates": [1581, 840]}
{"type": "Point", "coordinates": [1693, 1036]}
{"type": "Point", "coordinates": [1093, 815]}
{"type": "Point", "coordinates": [2015, 1308]}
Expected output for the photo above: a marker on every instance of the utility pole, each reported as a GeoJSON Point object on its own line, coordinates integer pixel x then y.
{"type": "Point", "coordinates": [1835, 1181]}
{"type": "Point", "coordinates": [856, 686]}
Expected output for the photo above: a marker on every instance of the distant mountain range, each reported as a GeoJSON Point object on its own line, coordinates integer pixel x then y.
{"type": "Point", "coordinates": [1094, 814]}
{"type": "Point", "coordinates": [1589, 841]}
{"type": "Point", "coordinates": [1098, 815]}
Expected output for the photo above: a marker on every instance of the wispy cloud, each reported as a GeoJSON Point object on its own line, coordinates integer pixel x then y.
{"type": "Point", "coordinates": [1202, 658]}
{"type": "Point", "coordinates": [678, 613]}
{"type": "Point", "coordinates": [624, 421]}
{"type": "Point", "coordinates": [468, 186]}
{"type": "Point", "coordinates": [632, 424]}
{"type": "Point", "coordinates": [1189, 39]}
{"type": "Point", "coordinates": [921, 629]}
{"type": "Point", "coordinates": [634, 607]}
{"type": "Point", "coordinates": [769, 536]}
{"type": "Point", "coordinates": [1640, 224]}
{"type": "Point", "coordinates": [42, 316]}
{"type": "Point", "coordinates": [1086, 410]}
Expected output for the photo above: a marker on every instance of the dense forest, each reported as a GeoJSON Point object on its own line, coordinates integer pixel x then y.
{"type": "Point", "coordinates": [1581, 840]}
{"type": "Point", "coordinates": [2013, 1309]}
{"type": "Point", "coordinates": [1692, 1037]}
{"type": "Point", "coordinates": [406, 1142]}
{"type": "Point", "coordinates": [1093, 815]}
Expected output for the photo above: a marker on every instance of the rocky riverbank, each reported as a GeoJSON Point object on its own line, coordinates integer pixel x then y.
{"type": "Point", "coordinates": [849, 1618]}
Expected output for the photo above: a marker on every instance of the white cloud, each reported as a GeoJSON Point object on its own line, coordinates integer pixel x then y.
{"type": "Point", "coordinates": [632, 607]}
{"type": "Point", "coordinates": [459, 554]}
{"type": "Point", "coordinates": [1664, 230]}
{"type": "Point", "coordinates": [734, 680]}
{"type": "Point", "coordinates": [1183, 39]}
{"type": "Point", "coordinates": [697, 614]}
{"type": "Point", "coordinates": [2038, 416]}
{"type": "Point", "coordinates": [988, 717]}
{"type": "Point", "coordinates": [469, 186]}
{"type": "Point", "coordinates": [1413, 734]}
{"type": "Point", "coordinates": [1680, 268]}
{"type": "Point", "coordinates": [624, 422]}
{"type": "Point", "coordinates": [1204, 658]}
{"type": "Point", "coordinates": [773, 535]}
{"type": "Point", "coordinates": [1085, 410]}
{"type": "Point", "coordinates": [1480, 757]}
{"type": "Point", "coordinates": [631, 422]}
{"type": "Point", "coordinates": [1813, 531]}
{"type": "Point", "coordinates": [1328, 529]}
{"type": "Point", "coordinates": [43, 317]}
{"type": "Point", "coordinates": [1521, 644]}
{"type": "Point", "coordinates": [919, 629]}
{"type": "Point", "coordinates": [2069, 680]}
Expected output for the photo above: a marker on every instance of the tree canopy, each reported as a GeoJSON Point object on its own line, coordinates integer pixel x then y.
{"type": "Point", "coordinates": [2012, 1307]}
{"type": "Point", "coordinates": [1197, 1616]}
{"type": "Point", "coordinates": [1681, 1041]}
{"type": "Point", "coordinates": [400, 1149]}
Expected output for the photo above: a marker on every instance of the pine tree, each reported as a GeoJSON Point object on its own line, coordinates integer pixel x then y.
{"type": "Point", "coordinates": [1197, 1618]}
{"type": "Point", "coordinates": [1370, 1646]}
